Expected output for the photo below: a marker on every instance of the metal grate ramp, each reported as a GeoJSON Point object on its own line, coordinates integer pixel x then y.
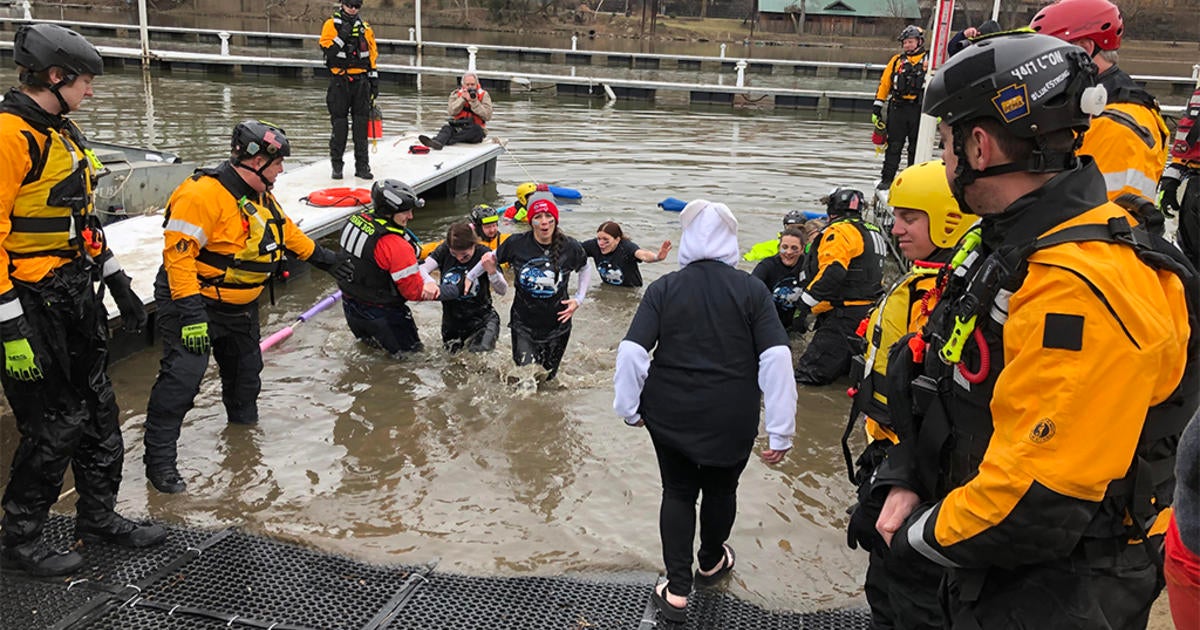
{"type": "Point", "coordinates": [228, 579]}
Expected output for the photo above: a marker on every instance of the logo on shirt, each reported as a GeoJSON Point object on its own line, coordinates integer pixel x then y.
{"type": "Point", "coordinates": [786, 294]}
{"type": "Point", "coordinates": [455, 277]}
{"type": "Point", "coordinates": [537, 278]}
{"type": "Point", "coordinates": [610, 273]}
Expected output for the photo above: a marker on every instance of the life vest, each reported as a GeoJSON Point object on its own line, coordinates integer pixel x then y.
{"type": "Point", "coordinates": [864, 276]}
{"type": "Point", "coordinates": [908, 76]}
{"type": "Point", "coordinates": [957, 425]}
{"type": "Point", "coordinates": [1186, 145]}
{"type": "Point", "coordinates": [359, 238]}
{"type": "Point", "coordinates": [350, 45]}
{"type": "Point", "coordinates": [260, 257]}
{"type": "Point", "coordinates": [466, 113]}
{"type": "Point", "coordinates": [910, 298]}
{"type": "Point", "coordinates": [52, 211]}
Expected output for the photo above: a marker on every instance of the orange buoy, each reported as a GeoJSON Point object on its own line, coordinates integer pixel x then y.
{"type": "Point", "coordinates": [338, 197]}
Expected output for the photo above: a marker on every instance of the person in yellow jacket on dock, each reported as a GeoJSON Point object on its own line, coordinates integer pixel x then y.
{"type": "Point", "coordinates": [224, 239]}
{"type": "Point", "coordinates": [53, 322]}
{"type": "Point", "coordinates": [1046, 393]}
{"type": "Point", "coordinates": [928, 225]}
{"type": "Point", "coordinates": [1129, 139]}
{"type": "Point", "coordinates": [348, 43]}
{"type": "Point", "coordinates": [900, 89]}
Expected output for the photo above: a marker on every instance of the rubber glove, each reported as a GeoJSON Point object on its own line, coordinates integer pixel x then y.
{"type": "Point", "coordinates": [19, 360]}
{"type": "Point", "coordinates": [133, 313]}
{"type": "Point", "coordinates": [195, 338]}
{"type": "Point", "coordinates": [1168, 194]}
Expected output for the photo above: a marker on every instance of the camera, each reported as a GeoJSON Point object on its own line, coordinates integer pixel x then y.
{"type": "Point", "coordinates": [472, 92]}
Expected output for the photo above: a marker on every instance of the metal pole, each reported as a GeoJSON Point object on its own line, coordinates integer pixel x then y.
{"type": "Point", "coordinates": [574, 42]}
{"type": "Point", "coordinates": [417, 19]}
{"type": "Point", "coordinates": [996, 10]}
{"type": "Point", "coordinates": [722, 51]}
{"type": "Point", "coordinates": [145, 33]}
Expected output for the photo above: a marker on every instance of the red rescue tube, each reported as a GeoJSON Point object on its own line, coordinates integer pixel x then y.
{"type": "Point", "coordinates": [338, 197]}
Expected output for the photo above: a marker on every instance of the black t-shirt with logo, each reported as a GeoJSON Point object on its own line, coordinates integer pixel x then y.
{"type": "Point", "coordinates": [540, 294]}
{"type": "Point", "coordinates": [618, 267]}
{"type": "Point", "coordinates": [477, 303]}
{"type": "Point", "coordinates": [784, 283]}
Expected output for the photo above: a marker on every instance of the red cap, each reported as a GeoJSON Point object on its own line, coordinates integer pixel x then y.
{"type": "Point", "coordinates": [542, 205]}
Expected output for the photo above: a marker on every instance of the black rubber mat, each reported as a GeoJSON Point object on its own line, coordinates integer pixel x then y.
{"type": "Point", "coordinates": [228, 579]}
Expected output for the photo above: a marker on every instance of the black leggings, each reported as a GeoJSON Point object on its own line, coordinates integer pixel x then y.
{"type": "Point", "coordinates": [683, 481]}
{"type": "Point", "coordinates": [547, 353]}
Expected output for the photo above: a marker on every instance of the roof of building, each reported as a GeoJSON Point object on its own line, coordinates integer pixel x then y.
{"type": "Point", "coordinates": [907, 9]}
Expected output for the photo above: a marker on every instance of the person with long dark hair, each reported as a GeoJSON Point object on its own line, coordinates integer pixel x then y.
{"type": "Point", "coordinates": [617, 257]}
{"type": "Point", "coordinates": [542, 261]}
{"type": "Point", "coordinates": [469, 267]}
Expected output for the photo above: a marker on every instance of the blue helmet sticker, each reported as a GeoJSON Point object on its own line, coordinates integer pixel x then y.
{"type": "Point", "coordinates": [1012, 102]}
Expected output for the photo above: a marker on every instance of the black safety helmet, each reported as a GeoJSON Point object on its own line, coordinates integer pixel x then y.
{"type": "Point", "coordinates": [912, 30]}
{"type": "Point", "coordinates": [390, 196]}
{"type": "Point", "coordinates": [482, 214]}
{"type": "Point", "coordinates": [1032, 84]}
{"type": "Point", "coordinates": [795, 217]}
{"type": "Point", "coordinates": [841, 201]}
{"type": "Point", "coordinates": [255, 137]}
{"type": "Point", "coordinates": [37, 47]}
{"type": "Point", "coordinates": [354, 4]}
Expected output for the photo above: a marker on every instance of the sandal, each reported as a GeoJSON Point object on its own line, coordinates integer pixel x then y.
{"type": "Point", "coordinates": [722, 569]}
{"type": "Point", "coordinates": [669, 611]}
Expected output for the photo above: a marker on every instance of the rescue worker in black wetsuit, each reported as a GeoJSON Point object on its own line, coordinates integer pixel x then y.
{"type": "Point", "coordinates": [843, 272]}
{"type": "Point", "coordinates": [223, 240]}
{"type": "Point", "coordinates": [927, 225]}
{"type": "Point", "coordinates": [386, 273]}
{"type": "Point", "coordinates": [900, 88]}
{"type": "Point", "coordinates": [350, 55]}
{"type": "Point", "coordinates": [1039, 409]}
{"type": "Point", "coordinates": [53, 322]}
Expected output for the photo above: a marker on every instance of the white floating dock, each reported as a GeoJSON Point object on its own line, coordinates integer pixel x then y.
{"type": "Point", "coordinates": [457, 169]}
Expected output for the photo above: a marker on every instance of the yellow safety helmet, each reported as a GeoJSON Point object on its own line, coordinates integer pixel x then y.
{"type": "Point", "coordinates": [523, 192]}
{"type": "Point", "coordinates": [924, 187]}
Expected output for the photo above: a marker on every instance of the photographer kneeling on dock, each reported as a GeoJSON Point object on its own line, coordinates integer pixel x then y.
{"type": "Point", "coordinates": [470, 109]}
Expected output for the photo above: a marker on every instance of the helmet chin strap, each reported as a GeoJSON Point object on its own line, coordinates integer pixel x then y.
{"type": "Point", "coordinates": [28, 79]}
{"type": "Point", "coordinates": [1041, 160]}
{"type": "Point", "coordinates": [268, 185]}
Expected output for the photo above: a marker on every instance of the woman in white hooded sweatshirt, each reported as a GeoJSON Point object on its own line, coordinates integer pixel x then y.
{"type": "Point", "coordinates": [719, 350]}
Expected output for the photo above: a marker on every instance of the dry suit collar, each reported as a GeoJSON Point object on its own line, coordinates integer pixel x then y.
{"type": "Point", "coordinates": [1065, 196]}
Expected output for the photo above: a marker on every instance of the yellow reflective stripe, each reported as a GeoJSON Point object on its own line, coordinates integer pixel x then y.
{"type": "Point", "coordinates": [188, 229]}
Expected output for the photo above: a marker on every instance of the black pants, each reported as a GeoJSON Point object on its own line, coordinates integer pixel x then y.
{"type": "Point", "coordinates": [1065, 594]}
{"type": "Point", "coordinates": [234, 333]}
{"type": "Point", "coordinates": [827, 357]}
{"type": "Point", "coordinates": [389, 327]}
{"type": "Point", "coordinates": [464, 131]}
{"type": "Point", "coordinates": [1189, 217]}
{"type": "Point", "coordinates": [904, 595]}
{"type": "Point", "coordinates": [349, 95]}
{"type": "Point", "coordinates": [477, 335]}
{"type": "Point", "coordinates": [684, 481]}
{"type": "Point", "coordinates": [904, 120]}
{"type": "Point", "coordinates": [547, 353]}
{"type": "Point", "coordinates": [70, 416]}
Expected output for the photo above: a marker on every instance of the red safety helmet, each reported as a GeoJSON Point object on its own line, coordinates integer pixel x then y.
{"type": "Point", "coordinates": [1072, 20]}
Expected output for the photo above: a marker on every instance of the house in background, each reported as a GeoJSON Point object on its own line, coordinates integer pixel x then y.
{"type": "Point", "coordinates": [837, 17]}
